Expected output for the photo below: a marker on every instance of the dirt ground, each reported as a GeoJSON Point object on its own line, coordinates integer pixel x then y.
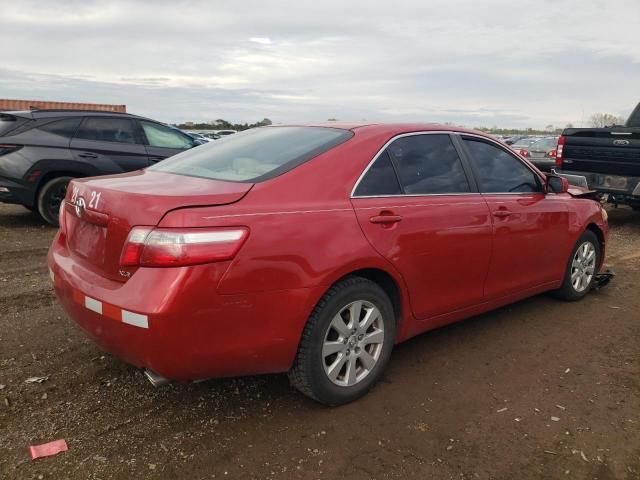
{"type": "Point", "coordinates": [538, 390]}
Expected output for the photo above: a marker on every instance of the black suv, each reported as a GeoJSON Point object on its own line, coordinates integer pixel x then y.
{"type": "Point", "coordinates": [41, 150]}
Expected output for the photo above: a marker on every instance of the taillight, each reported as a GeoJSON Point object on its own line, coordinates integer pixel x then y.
{"type": "Point", "coordinates": [560, 151]}
{"type": "Point", "coordinates": [551, 153]}
{"type": "Point", "coordinates": [168, 247]}
{"type": "Point", "coordinates": [8, 148]}
{"type": "Point", "coordinates": [524, 152]}
{"type": "Point", "coordinates": [132, 250]}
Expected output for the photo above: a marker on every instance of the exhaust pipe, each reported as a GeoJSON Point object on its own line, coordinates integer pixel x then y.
{"type": "Point", "coordinates": [155, 379]}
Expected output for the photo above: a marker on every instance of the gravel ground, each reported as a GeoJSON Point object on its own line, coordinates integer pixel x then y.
{"type": "Point", "coordinates": [538, 390]}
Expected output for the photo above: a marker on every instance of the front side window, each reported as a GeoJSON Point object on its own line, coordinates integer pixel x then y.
{"type": "Point", "coordinates": [498, 171]}
{"type": "Point", "coordinates": [256, 154]}
{"type": "Point", "coordinates": [165, 137]}
{"type": "Point", "coordinates": [428, 164]}
{"type": "Point", "coordinates": [117, 130]}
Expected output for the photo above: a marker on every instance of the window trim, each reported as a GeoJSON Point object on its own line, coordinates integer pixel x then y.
{"type": "Point", "coordinates": [469, 159]}
{"type": "Point", "coordinates": [473, 186]}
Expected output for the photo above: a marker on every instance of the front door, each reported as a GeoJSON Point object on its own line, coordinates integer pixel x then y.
{"type": "Point", "coordinates": [418, 208]}
{"type": "Point", "coordinates": [530, 227]}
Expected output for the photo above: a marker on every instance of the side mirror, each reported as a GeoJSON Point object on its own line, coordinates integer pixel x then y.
{"type": "Point", "coordinates": [557, 184]}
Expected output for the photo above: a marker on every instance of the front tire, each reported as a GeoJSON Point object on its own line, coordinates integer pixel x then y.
{"type": "Point", "coordinates": [581, 269]}
{"type": "Point", "coordinates": [346, 343]}
{"type": "Point", "coordinates": [50, 198]}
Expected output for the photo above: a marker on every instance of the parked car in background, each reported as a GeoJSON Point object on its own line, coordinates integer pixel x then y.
{"type": "Point", "coordinates": [224, 133]}
{"type": "Point", "coordinates": [198, 137]}
{"type": "Point", "coordinates": [314, 250]}
{"type": "Point", "coordinates": [42, 150]}
{"type": "Point", "coordinates": [542, 153]}
{"type": "Point", "coordinates": [524, 142]}
{"type": "Point", "coordinates": [604, 159]}
{"type": "Point", "coordinates": [513, 139]}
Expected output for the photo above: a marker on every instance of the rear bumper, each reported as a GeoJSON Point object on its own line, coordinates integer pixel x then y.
{"type": "Point", "coordinates": [172, 321]}
{"type": "Point", "coordinates": [16, 193]}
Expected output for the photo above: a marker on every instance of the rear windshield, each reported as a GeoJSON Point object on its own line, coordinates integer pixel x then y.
{"type": "Point", "coordinates": [254, 155]}
{"type": "Point", "coordinates": [545, 143]}
{"type": "Point", "coordinates": [9, 123]}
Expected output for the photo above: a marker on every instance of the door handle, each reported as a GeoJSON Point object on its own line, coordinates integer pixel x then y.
{"type": "Point", "coordinates": [385, 219]}
{"type": "Point", "coordinates": [501, 213]}
{"type": "Point", "coordinates": [155, 159]}
{"type": "Point", "coordinates": [87, 155]}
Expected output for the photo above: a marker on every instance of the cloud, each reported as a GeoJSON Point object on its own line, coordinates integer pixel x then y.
{"type": "Point", "coordinates": [261, 40]}
{"type": "Point", "coordinates": [472, 63]}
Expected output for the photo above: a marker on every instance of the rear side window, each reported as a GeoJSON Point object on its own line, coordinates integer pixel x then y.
{"type": "Point", "coordinates": [64, 128]}
{"type": "Point", "coordinates": [165, 137]}
{"type": "Point", "coordinates": [380, 179]}
{"type": "Point", "coordinates": [8, 123]}
{"type": "Point", "coordinates": [254, 155]}
{"type": "Point", "coordinates": [498, 171]}
{"type": "Point", "coordinates": [117, 130]}
{"type": "Point", "coordinates": [428, 164]}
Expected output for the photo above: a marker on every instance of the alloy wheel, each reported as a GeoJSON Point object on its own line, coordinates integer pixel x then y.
{"type": "Point", "coordinates": [583, 266]}
{"type": "Point", "coordinates": [353, 343]}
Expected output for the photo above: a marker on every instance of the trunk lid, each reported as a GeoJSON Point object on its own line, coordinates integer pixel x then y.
{"type": "Point", "coordinates": [99, 212]}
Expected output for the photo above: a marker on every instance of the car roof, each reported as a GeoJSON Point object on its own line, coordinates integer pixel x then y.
{"type": "Point", "coordinates": [390, 128]}
{"type": "Point", "coordinates": [46, 113]}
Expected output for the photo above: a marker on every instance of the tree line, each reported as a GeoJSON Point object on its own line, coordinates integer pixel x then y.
{"type": "Point", "coordinates": [597, 120]}
{"type": "Point", "coordinates": [222, 124]}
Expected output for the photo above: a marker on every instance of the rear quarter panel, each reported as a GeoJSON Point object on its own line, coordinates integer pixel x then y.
{"type": "Point", "coordinates": [303, 229]}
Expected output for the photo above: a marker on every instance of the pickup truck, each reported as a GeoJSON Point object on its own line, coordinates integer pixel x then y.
{"type": "Point", "coordinates": [606, 160]}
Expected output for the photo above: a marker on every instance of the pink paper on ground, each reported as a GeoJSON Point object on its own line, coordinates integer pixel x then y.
{"type": "Point", "coordinates": [48, 449]}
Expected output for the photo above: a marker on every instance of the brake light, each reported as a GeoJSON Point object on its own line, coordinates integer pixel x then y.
{"type": "Point", "coordinates": [560, 151]}
{"type": "Point", "coordinates": [524, 152]}
{"type": "Point", "coordinates": [168, 247]}
{"type": "Point", "coordinates": [8, 148]}
{"type": "Point", "coordinates": [551, 153]}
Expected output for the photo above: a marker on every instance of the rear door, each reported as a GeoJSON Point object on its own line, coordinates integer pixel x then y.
{"type": "Point", "coordinates": [111, 144]}
{"type": "Point", "coordinates": [162, 141]}
{"type": "Point", "coordinates": [420, 209]}
{"type": "Point", "coordinates": [530, 228]}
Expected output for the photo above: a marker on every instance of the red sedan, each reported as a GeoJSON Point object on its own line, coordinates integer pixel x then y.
{"type": "Point", "coordinates": [314, 249]}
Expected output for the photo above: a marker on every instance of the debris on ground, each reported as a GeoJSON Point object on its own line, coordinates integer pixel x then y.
{"type": "Point", "coordinates": [48, 449]}
{"type": "Point", "coordinates": [36, 379]}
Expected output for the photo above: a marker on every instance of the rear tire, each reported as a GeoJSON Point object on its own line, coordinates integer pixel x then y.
{"type": "Point", "coordinates": [581, 269]}
{"type": "Point", "coordinates": [346, 343]}
{"type": "Point", "coordinates": [50, 197]}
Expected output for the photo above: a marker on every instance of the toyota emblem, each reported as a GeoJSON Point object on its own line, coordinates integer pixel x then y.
{"type": "Point", "coordinates": [80, 204]}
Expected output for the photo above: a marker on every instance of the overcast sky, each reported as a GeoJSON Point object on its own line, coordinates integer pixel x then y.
{"type": "Point", "coordinates": [475, 63]}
